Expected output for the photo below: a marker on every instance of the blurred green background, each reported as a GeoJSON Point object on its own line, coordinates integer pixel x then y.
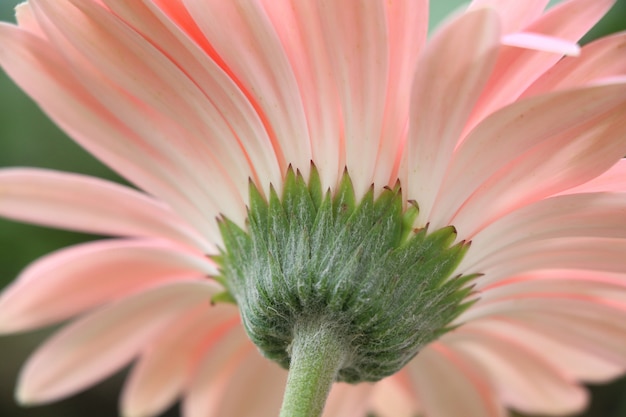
{"type": "Point", "coordinates": [27, 138]}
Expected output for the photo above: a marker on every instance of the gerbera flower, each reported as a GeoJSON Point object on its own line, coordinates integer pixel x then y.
{"type": "Point", "coordinates": [444, 218]}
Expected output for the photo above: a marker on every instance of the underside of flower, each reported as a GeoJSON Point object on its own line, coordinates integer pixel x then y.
{"type": "Point", "coordinates": [356, 268]}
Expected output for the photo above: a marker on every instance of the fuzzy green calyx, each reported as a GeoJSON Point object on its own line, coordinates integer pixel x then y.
{"type": "Point", "coordinates": [357, 267]}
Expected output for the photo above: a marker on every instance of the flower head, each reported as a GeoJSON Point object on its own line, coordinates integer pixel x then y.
{"type": "Point", "coordinates": [446, 213]}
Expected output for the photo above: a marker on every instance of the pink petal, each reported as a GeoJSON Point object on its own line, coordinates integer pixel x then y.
{"type": "Point", "coordinates": [86, 204]}
{"type": "Point", "coordinates": [101, 343]}
{"type": "Point", "coordinates": [346, 400]}
{"type": "Point", "coordinates": [163, 32]}
{"type": "Point", "coordinates": [526, 381]}
{"type": "Point", "coordinates": [524, 129]}
{"type": "Point", "coordinates": [258, 62]}
{"type": "Point", "coordinates": [407, 26]}
{"type": "Point", "coordinates": [447, 384]}
{"type": "Point", "coordinates": [42, 73]}
{"type": "Point", "coordinates": [448, 77]}
{"type": "Point", "coordinates": [590, 254]}
{"type": "Point", "coordinates": [227, 381]}
{"type": "Point", "coordinates": [518, 68]}
{"type": "Point", "coordinates": [543, 43]}
{"type": "Point", "coordinates": [164, 369]}
{"type": "Point", "coordinates": [26, 20]}
{"type": "Point", "coordinates": [611, 180]}
{"type": "Point", "coordinates": [356, 38]}
{"type": "Point", "coordinates": [608, 311]}
{"type": "Point", "coordinates": [393, 397]}
{"type": "Point", "coordinates": [100, 47]}
{"type": "Point", "coordinates": [573, 215]}
{"type": "Point", "coordinates": [300, 30]}
{"type": "Point", "coordinates": [603, 58]}
{"type": "Point", "coordinates": [599, 341]}
{"type": "Point", "coordinates": [514, 15]}
{"type": "Point", "coordinates": [571, 358]}
{"type": "Point", "coordinates": [70, 281]}
{"type": "Point", "coordinates": [593, 329]}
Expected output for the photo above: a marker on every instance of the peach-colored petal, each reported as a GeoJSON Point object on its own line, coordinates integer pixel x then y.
{"type": "Point", "coordinates": [165, 367]}
{"type": "Point", "coordinates": [232, 379]}
{"type": "Point", "coordinates": [603, 58]}
{"type": "Point", "coordinates": [518, 68]}
{"type": "Point", "coordinates": [101, 343]}
{"type": "Point", "coordinates": [393, 397]}
{"type": "Point", "coordinates": [96, 42]}
{"type": "Point", "coordinates": [611, 180]}
{"type": "Point", "coordinates": [257, 61]}
{"type": "Point", "coordinates": [592, 254]}
{"type": "Point", "coordinates": [162, 32]}
{"type": "Point", "coordinates": [572, 215]}
{"type": "Point", "coordinates": [356, 37]}
{"type": "Point", "coordinates": [600, 349]}
{"type": "Point", "coordinates": [347, 400]}
{"type": "Point", "coordinates": [447, 84]}
{"type": "Point", "coordinates": [87, 204]}
{"type": "Point", "coordinates": [515, 130]}
{"type": "Point", "coordinates": [43, 74]}
{"type": "Point", "coordinates": [70, 281]}
{"type": "Point", "coordinates": [603, 309]}
{"type": "Point", "coordinates": [26, 20]}
{"type": "Point", "coordinates": [448, 384]}
{"type": "Point", "coordinates": [514, 15]}
{"type": "Point", "coordinates": [543, 43]}
{"type": "Point", "coordinates": [573, 359]}
{"type": "Point", "coordinates": [525, 380]}
{"type": "Point", "coordinates": [407, 26]}
{"type": "Point", "coordinates": [299, 27]}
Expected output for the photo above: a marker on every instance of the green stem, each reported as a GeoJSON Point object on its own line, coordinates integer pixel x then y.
{"type": "Point", "coordinates": [317, 354]}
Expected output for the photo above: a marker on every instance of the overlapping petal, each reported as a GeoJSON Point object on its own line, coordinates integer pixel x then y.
{"type": "Point", "coordinates": [488, 127]}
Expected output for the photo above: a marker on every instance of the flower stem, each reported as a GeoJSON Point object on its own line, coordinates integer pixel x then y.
{"type": "Point", "coordinates": [317, 354]}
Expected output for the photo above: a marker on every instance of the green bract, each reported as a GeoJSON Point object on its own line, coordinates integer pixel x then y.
{"type": "Point", "coordinates": [358, 268]}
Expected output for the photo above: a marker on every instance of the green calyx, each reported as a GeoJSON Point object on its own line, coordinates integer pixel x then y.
{"type": "Point", "coordinates": [359, 268]}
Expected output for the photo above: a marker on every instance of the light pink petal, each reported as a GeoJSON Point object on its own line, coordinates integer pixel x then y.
{"type": "Point", "coordinates": [525, 380]}
{"type": "Point", "coordinates": [232, 379]}
{"type": "Point", "coordinates": [603, 58]}
{"type": "Point", "coordinates": [543, 43]}
{"type": "Point", "coordinates": [393, 397]}
{"type": "Point", "coordinates": [258, 62]}
{"type": "Point", "coordinates": [166, 104]}
{"type": "Point", "coordinates": [43, 74]}
{"type": "Point", "coordinates": [514, 15]}
{"type": "Point", "coordinates": [518, 304]}
{"type": "Point", "coordinates": [573, 215]}
{"type": "Point", "coordinates": [518, 68]}
{"type": "Point", "coordinates": [165, 367]}
{"type": "Point", "coordinates": [517, 135]}
{"type": "Point", "coordinates": [453, 68]}
{"type": "Point", "coordinates": [594, 329]}
{"type": "Point", "coordinates": [26, 20]}
{"type": "Point", "coordinates": [357, 41]}
{"type": "Point", "coordinates": [300, 30]}
{"type": "Point", "coordinates": [590, 254]}
{"type": "Point", "coordinates": [611, 180]}
{"type": "Point", "coordinates": [164, 33]}
{"type": "Point", "coordinates": [101, 343]}
{"type": "Point", "coordinates": [448, 384]}
{"type": "Point", "coordinates": [570, 357]}
{"type": "Point", "coordinates": [346, 400]}
{"type": "Point", "coordinates": [70, 281]}
{"type": "Point", "coordinates": [407, 26]}
{"type": "Point", "coordinates": [598, 340]}
{"type": "Point", "coordinates": [86, 204]}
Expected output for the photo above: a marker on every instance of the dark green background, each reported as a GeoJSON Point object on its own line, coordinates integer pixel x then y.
{"type": "Point", "coordinates": [27, 138]}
